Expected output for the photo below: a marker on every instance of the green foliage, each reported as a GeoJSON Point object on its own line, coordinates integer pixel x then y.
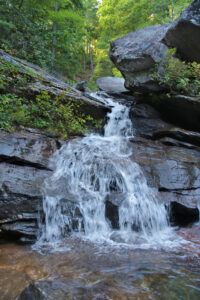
{"type": "Point", "coordinates": [104, 65]}
{"type": "Point", "coordinates": [12, 111]}
{"type": "Point", "coordinates": [180, 76]}
{"type": "Point", "coordinates": [58, 115]}
{"type": "Point", "coordinates": [12, 77]}
{"type": "Point", "coordinates": [47, 33]}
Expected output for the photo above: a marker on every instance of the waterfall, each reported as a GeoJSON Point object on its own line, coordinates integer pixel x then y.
{"type": "Point", "coordinates": [97, 170]}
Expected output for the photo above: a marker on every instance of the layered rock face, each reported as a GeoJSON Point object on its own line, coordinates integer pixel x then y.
{"type": "Point", "coordinates": [169, 157]}
{"type": "Point", "coordinates": [24, 159]}
{"type": "Point", "coordinates": [141, 53]}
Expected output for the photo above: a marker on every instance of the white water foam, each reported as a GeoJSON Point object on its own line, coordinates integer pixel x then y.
{"type": "Point", "coordinates": [93, 170]}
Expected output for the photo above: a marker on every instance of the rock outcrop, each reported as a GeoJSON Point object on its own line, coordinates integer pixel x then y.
{"type": "Point", "coordinates": [184, 34]}
{"type": "Point", "coordinates": [138, 54]}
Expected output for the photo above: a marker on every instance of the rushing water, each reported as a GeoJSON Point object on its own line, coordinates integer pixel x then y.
{"type": "Point", "coordinates": [97, 169]}
{"type": "Point", "coordinates": [104, 260]}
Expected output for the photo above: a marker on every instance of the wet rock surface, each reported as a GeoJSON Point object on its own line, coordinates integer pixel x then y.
{"type": "Point", "coordinates": [170, 159]}
{"type": "Point", "coordinates": [181, 215]}
{"type": "Point", "coordinates": [24, 159]}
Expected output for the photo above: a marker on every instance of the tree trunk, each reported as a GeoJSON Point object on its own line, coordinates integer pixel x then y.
{"type": "Point", "coordinates": [54, 39]}
{"type": "Point", "coordinates": [91, 58]}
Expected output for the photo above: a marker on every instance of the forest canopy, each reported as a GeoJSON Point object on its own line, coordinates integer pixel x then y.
{"type": "Point", "coordinates": [72, 37]}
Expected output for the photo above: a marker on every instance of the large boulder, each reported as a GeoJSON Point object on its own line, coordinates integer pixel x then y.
{"type": "Point", "coordinates": [24, 166]}
{"type": "Point", "coordinates": [141, 54]}
{"type": "Point", "coordinates": [184, 34]}
{"type": "Point", "coordinates": [111, 85]}
{"type": "Point", "coordinates": [138, 54]}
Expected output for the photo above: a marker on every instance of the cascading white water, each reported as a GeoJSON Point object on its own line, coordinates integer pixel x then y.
{"type": "Point", "coordinates": [93, 170]}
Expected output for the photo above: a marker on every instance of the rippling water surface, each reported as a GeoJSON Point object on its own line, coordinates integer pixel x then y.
{"type": "Point", "coordinates": [115, 273]}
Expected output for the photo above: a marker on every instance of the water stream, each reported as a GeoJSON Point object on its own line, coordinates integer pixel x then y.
{"type": "Point", "coordinates": [94, 172]}
{"type": "Point", "coordinates": [94, 253]}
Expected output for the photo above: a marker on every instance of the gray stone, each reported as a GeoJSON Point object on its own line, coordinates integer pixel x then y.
{"type": "Point", "coordinates": [111, 85]}
{"type": "Point", "coordinates": [183, 111]}
{"type": "Point", "coordinates": [139, 54]}
{"type": "Point", "coordinates": [184, 34]}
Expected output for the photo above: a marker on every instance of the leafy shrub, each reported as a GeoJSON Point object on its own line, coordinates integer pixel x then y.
{"type": "Point", "coordinates": [55, 114]}
{"type": "Point", "coordinates": [180, 76]}
{"type": "Point", "coordinates": [43, 112]}
{"type": "Point", "coordinates": [11, 76]}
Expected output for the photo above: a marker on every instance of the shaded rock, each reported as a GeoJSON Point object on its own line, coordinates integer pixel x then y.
{"type": "Point", "coordinates": [146, 120]}
{"type": "Point", "coordinates": [81, 86]}
{"type": "Point", "coordinates": [111, 85]}
{"type": "Point", "coordinates": [184, 34]}
{"type": "Point", "coordinates": [20, 198]}
{"type": "Point", "coordinates": [181, 215]}
{"type": "Point", "coordinates": [138, 54]}
{"type": "Point", "coordinates": [173, 142]}
{"type": "Point", "coordinates": [179, 134]}
{"type": "Point", "coordinates": [25, 231]}
{"type": "Point", "coordinates": [112, 214]}
{"type": "Point", "coordinates": [62, 290]}
{"type": "Point", "coordinates": [183, 111]}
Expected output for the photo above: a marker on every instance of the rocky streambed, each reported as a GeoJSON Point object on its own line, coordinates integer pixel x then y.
{"type": "Point", "coordinates": [87, 272]}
